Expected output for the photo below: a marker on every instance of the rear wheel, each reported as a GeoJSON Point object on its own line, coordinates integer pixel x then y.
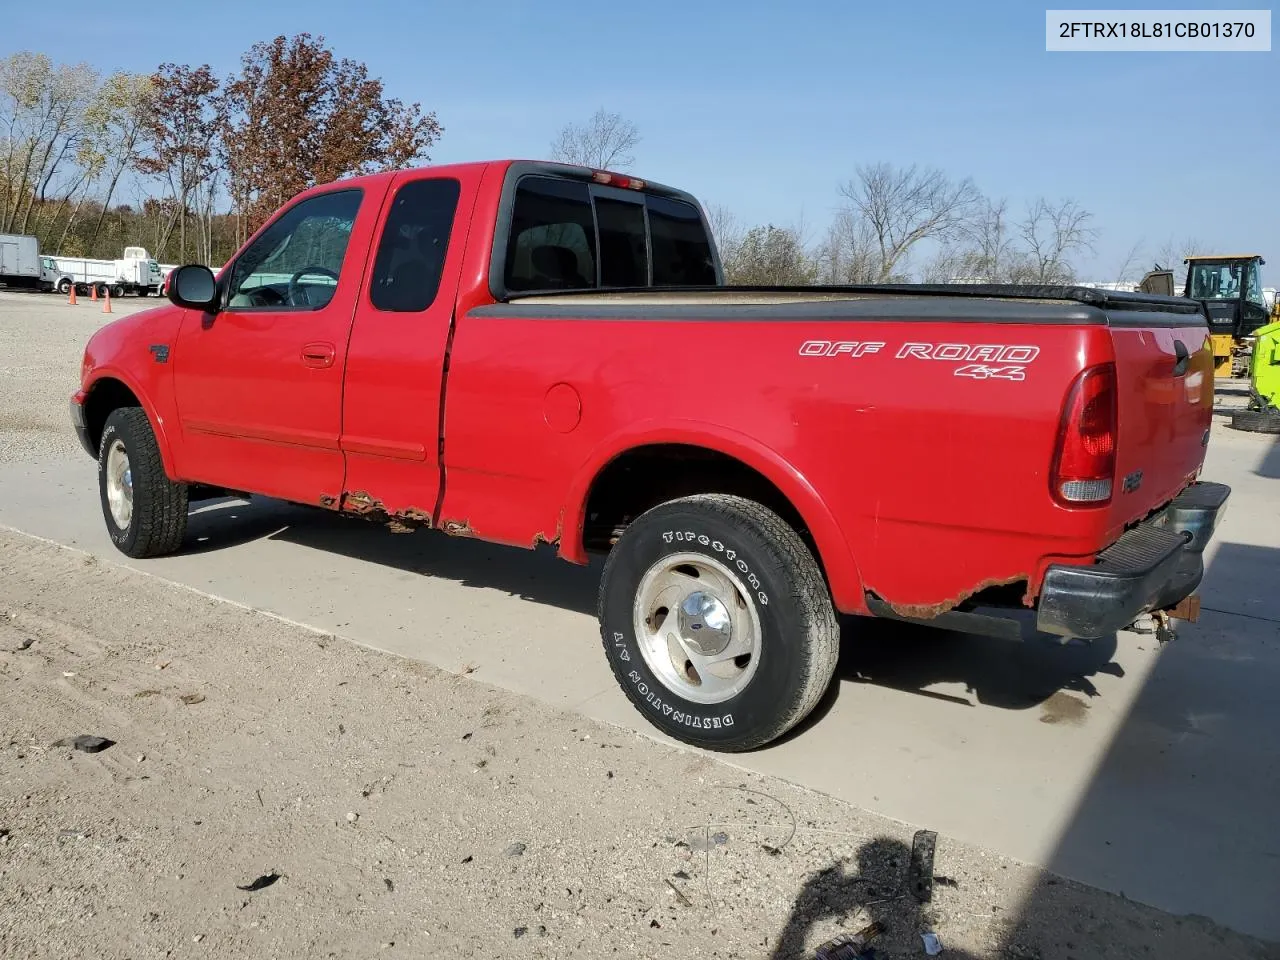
{"type": "Point", "coordinates": [717, 622]}
{"type": "Point", "coordinates": [117, 291]}
{"type": "Point", "coordinates": [145, 511]}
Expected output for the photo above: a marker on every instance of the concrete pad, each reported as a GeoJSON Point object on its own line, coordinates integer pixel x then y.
{"type": "Point", "coordinates": [1143, 770]}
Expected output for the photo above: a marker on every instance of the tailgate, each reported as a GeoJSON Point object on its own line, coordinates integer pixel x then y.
{"type": "Point", "coordinates": [1164, 378]}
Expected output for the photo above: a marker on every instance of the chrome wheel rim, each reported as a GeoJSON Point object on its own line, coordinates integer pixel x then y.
{"type": "Point", "coordinates": [696, 627]}
{"type": "Point", "coordinates": [119, 485]}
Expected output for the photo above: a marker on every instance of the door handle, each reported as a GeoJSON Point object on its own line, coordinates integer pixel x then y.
{"type": "Point", "coordinates": [1180, 352]}
{"type": "Point", "coordinates": [319, 354]}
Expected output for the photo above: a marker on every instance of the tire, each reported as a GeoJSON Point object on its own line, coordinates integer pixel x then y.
{"type": "Point", "coordinates": [64, 287]}
{"type": "Point", "coordinates": [157, 512]}
{"type": "Point", "coordinates": [117, 291]}
{"type": "Point", "coordinates": [1256, 421]}
{"type": "Point", "coordinates": [782, 608]}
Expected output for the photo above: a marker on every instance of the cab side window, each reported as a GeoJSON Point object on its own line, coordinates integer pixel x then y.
{"type": "Point", "coordinates": [410, 261]}
{"type": "Point", "coordinates": [296, 262]}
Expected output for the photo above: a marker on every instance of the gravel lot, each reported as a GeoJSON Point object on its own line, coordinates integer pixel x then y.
{"type": "Point", "coordinates": [407, 811]}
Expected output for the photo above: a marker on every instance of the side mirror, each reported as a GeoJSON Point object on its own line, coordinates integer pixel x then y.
{"type": "Point", "coordinates": [193, 287]}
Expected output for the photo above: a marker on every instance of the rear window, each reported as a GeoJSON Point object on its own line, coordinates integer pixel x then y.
{"type": "Point", "coordinates": [571, 235]}
{"type": "Point", "coordinates": [681, 251]}
{"type": "Point", "coordinates": [553, 237]}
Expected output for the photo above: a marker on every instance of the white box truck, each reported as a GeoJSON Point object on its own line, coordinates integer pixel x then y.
{"type": "Point", "coordinates": [19, 260]}
{"type": "Point", "coordinates": [136, 272]}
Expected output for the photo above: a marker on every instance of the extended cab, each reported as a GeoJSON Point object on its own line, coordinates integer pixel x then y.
{"type": "Point", "coordinates": [537, 354]}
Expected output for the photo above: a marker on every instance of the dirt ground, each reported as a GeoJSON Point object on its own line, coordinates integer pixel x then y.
{"type": "Point", "coordinates": [378, 807]}
{"type": "Point", "coordinates": [410, 812]}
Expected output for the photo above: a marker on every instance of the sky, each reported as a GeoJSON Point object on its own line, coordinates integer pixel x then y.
{"type": "Point", "coordinates": [767, 107]}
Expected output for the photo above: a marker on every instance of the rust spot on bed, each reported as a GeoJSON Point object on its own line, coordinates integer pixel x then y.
{"type": "Point", "coordinates": [406, 520]}
{"type": "Point", "coordinates": [458, 528]}
{"type": "Point", "coordinates": [927, 611]}
{"type": "Point", "coordinates": [541, 538]}
{"type": "Point", "coordinates": [361, 503]}
{"type": "Point", "coordinates": [327, 500]}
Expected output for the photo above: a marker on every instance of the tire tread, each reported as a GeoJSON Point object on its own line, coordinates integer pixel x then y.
{"type": "Point", "coordinates": [160, 514]}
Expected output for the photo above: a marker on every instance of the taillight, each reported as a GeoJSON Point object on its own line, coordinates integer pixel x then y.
{"type": "Point", "coordinates": [617, 180]}
{"type": "Point", "coordinates": [1084, 464]}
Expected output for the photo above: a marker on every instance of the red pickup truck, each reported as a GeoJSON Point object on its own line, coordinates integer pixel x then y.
{"type": "Point", "coordinates": [532, 353]}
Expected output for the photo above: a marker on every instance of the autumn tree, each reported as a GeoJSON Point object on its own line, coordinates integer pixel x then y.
{"type": "Point", "coordinates": [117, 121]}
{"type": "Point", "coordinates": [298, 116]}
{"type": "Point", "coordinates": [182, 137]}
{"type": "Point", "coordinates": [604, 142]}
{"type": "Point", "coordinates": [41, 128]}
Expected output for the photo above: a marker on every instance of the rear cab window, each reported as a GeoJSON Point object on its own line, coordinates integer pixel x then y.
{"type": "Point", "coordinates": [569, 235]}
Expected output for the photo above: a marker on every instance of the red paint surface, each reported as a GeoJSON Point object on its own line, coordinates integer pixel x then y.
{"type": "Point", "coordinates": [915, 483]}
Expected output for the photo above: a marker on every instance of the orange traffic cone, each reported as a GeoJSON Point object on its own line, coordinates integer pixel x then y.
{"type": "Point", "coordinates": [106, 303]}
{"type": "Point", "coordinates": [94, 294]}
{"type": "Point", "coordinates": [71, 298]}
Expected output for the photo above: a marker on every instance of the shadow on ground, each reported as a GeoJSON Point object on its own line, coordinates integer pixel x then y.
{"type": "Point", "coordinates": [1181, 808]}
{"type": "Point", "coordinates": [1000, 673]}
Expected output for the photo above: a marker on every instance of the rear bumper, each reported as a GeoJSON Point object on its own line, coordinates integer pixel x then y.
{"type": "Point", "coordinates": [1151, 567]}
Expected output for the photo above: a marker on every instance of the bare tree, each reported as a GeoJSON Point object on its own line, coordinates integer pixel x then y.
{"type": "Point", "coordinates": [983, 250]}
{"type": "Point", "coordinates": [850, 252]}
{"type": "Point", "coordinates": [725, 230]}
{"type": "Point", "coordinates": [1051, 233]}
{"type": "Point", "coordinates": [1129, 265]}
{"type": "Point", "coordinates": [1173, 252]}
{"type": "Point", "coordinates": [603, 143]}
{"type": "Point", "coordinates": [905, 206]}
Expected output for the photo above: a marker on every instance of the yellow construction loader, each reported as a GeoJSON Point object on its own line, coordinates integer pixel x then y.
{"type": "Point", "coordinates": [1230, 286]}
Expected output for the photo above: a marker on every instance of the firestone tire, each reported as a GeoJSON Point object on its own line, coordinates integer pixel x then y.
{"type": "Point", "coordinates": [145, 511]}
{"type": "Point", "coordinates": [703, 577]}
{"type": "Point", "coordinates": [1256, 421]}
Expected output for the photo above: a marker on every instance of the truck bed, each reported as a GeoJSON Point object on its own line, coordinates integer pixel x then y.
{"type": "Point", "coordinates": [1008, 303]}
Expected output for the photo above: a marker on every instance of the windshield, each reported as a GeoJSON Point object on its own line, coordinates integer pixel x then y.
{"type": "Point", "coordinates": [1217, 281]}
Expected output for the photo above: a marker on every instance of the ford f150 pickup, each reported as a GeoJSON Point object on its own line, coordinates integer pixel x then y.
{"type": "Point", "coordinates": [539, 354]}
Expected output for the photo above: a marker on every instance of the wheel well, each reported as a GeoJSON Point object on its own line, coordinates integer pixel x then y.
{"type": "Point", "coordinates": [106, 395]}
{"type": "Point", "coordinates": [647, 476]}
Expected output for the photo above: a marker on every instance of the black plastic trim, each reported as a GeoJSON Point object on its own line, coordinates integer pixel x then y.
{"type": "Point", "coordinates": [1152, 566]}
{"type": "Point", "coordinates": [889, 309]}
{"type": "Point", "coordinates": [1092, 602]}
{"type": "Point", "coordinates": [82, 429]}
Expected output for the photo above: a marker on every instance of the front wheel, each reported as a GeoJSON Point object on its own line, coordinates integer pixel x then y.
{"type": "Point", "coordinates": [145, 511]}
{"type": "Point", "coordinates": [717, 622]}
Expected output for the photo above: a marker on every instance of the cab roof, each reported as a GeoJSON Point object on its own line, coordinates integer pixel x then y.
{"type": "Point", "coordinates": [1222, 256]}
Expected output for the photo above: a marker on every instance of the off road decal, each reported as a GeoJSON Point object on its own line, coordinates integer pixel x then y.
{"type": "Point", "coordinates": [731, 555]}
{"type": "Point", "coordinates": [977, 361]}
